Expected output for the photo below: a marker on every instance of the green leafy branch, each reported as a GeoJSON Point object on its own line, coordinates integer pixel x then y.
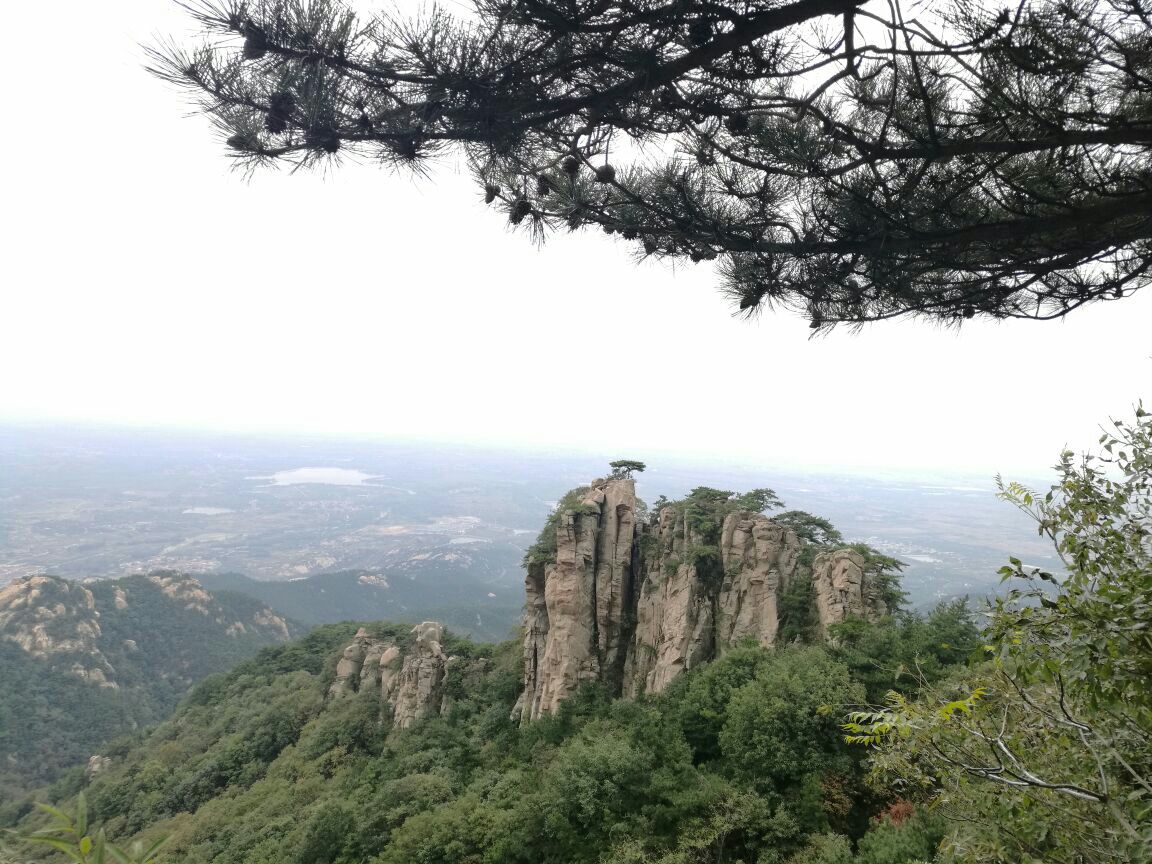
{"type": "Point", "coordinates": [70, 836]}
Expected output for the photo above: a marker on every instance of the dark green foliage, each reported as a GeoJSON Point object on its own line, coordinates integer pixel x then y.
{"type": "Point", "coordinates": [702, 699]}
{"type": "Point", "coordinates": [906, 841]}
{"type": "Point", "coordinates": [625, 467]}
{"type": "Point", "coordinates": [882, 573]}
{"type": "Point", "coordinates": [906, 651]}
{"type": "Point", "coordinates": [813, 529]}
{"type": "Point", "coordinates": [709, 566]}
{"type": "Point", "coordinates": [758, 500]}
{"type": "Point", "coordinates": [849, 164]}
{"type": "Point", "coordinates": [704, 509]}
{"type": "Point", "coordinates": [782, 727]}
{"type": "Point", "coordinates": [158, 645]}
{"type": "Point", "coordinates": [329, 830]}
{"type": "Point", "coordinates": [543, 550]}
{"type": "Point", "coordinates": [797, 610]}
{"type": "Point", "coordinates": [258, 767]}
{"type": "Point", "coordinates": [50, 719]}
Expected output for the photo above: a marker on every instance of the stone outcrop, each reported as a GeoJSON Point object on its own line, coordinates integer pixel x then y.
{"type": "Point", "coordinates": [633, 605]}
{"type": "Point", "coordinates": [53, 618]}
{"type": "Point", "coordinates": [69, 624]}
{"type": "Point", "coordinates": [419, 688]}
{"type": "Point", "coordinates": [410, 683]}
{"type": "Point", "coordinates": [97, 765]}
{"type": "Point", "coordinates": [577, 604]}
{"type": "Point", "coordinates": [675, 612]}
{"type": "Point", "coordinates": [760, 560]}
{"type": "Point", "coordinates": [840, 588]}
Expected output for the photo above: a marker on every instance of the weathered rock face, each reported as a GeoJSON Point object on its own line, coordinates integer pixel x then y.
{"type": "Point", "coordinates": [53, 618]}
{"type": "Point", "coordinates": [97, 765]}
{"type": "Point", "coordinates": [45, 615]}
{"type": "Point", "coordinates": [411, 685]}
{"type": "Point", "coordinates": [841, 588]}
{"type": "Point", "coordinates": [697, 600]}
{"type": "Point", "coordinates": [675, 614]}
{"type": "Point", "coordinates": [760, 559]}
{"type": "Point", "coordinates": [419, 688]}
{"type": "Point", "coordinates": [71, 625]}
{"type": "Point", "coordinates": [576, 619]}
{"type": "Point", "coordinates": [633, 606]}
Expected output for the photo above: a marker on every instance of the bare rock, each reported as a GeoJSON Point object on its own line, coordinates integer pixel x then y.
{"type": "Point", "coordinates": [840, 585]}
{"type": "Point", "coordinates": [535, 625]}
{"type": "Point", "coordinates": [419, 687]}
{"type": "Point", "coordinates": [97, 765]}
{"type": "Point", "coordinates": [410, 685]}
{"type": "Point", "coordinates": [350, 665]}
{"type": "Point", "coordinates": [578, 605]}
{"type": "Point", "coordinates": [696, 601]}
{"type": "Point", "coordinates": [674, 612]}
{"type": "Point", "coordinates": [760, 559]}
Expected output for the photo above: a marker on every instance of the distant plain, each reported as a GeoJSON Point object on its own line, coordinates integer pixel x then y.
{"type": "Point", "coordinates": [419, 530]}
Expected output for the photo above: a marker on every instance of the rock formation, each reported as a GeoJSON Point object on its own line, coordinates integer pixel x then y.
{"type": "Point", "coordinates": [419, 688]}
{"type": "Point", "coordinates": [633, 605]}
{"type": "Point", "coordinates": [49, 618]}
{"type": "Point", "coordinates": [411, 683]}
{"type": "Point", "coordinates": [71, 625]}
{"type": "Point", "coordinates": [577, 604]}
{"type": "Point", "coordinates": [675, 614]}
{"type": "Point", "coordinates": [97, 765]}
{"type": "Point", "coordinates": [840, 588]}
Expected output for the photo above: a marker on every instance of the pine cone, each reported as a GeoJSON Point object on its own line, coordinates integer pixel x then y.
{"type": "Point", "coordinates": [519, 210]}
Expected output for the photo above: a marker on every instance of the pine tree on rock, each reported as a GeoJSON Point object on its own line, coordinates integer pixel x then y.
{"type": "Point", "coordinates": [852, 161]}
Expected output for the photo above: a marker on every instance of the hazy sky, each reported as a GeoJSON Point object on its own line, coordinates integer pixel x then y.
{"type": "Point", "coordinates": [147, 284]}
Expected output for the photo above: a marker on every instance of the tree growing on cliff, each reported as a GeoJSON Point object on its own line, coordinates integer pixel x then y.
{"type": "Point", "coordinates": [850, 161]}
{"type": "Point", "coordinates": [626, 467]}
{"type": "Point", "coordinates": [815, 529]}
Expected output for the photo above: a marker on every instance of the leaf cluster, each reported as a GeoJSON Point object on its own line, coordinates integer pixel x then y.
{"type": "Point", "coordinates": [852, 164]}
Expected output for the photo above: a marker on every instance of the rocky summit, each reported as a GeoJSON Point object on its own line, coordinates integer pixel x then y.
{"type": "Point", "coordinates": [633, 602]}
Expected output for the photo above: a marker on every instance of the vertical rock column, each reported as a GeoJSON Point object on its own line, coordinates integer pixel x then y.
{"type": "Point", "coordinates": [674, 614]}
{"type": "Point", "coordinates": [535, 622]}
{"type": "Point", "coordinates": [350, 666]}
{"type": "Point", "coordinates": [419, 688]}
{"type": "Point", "coordinates": [615, 544]}
{"type": "Point", "coordinates": [577, 605]}
{"type": "Point", "coordinates": [760, 559]}
{"type": "Point", "coordinates": [840, 585]}
{"type": "Point", "coordinates": [410, 686]}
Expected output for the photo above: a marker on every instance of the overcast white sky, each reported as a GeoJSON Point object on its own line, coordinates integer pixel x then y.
{"type": "Point", "coordinates": [146, 284]}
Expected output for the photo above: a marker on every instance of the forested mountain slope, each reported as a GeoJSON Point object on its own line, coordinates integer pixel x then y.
{"type": "Point", "coordinates": [385, 743]}
{"type": "Point", "coordinates": [277, 761]}
{"type": "Point", "coordinates": [83, 663]}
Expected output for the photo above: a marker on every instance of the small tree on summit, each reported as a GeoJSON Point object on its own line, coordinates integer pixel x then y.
{"type": "Point", "coordinates": [852, 161]}
{"type": "Point", "coordinates": [625, 467]}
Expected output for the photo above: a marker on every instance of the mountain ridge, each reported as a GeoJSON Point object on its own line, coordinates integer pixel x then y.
{"type": "Point", "coordinates": [87, 661]}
